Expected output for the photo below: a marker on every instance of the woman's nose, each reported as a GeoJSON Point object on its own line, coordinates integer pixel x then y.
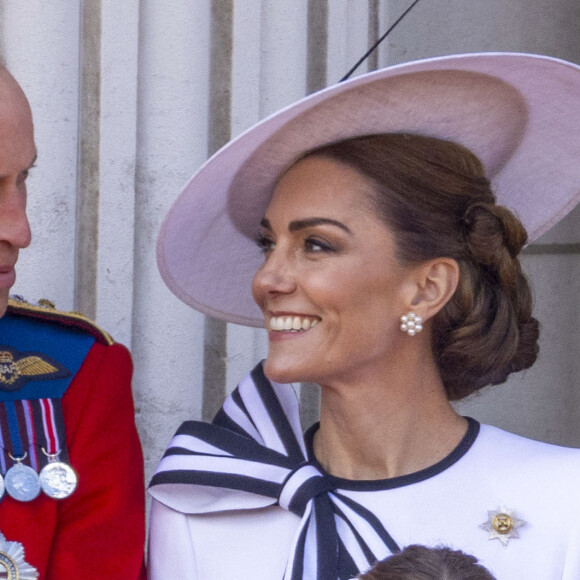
{"type": "Point", "coordinates": [275, 276]}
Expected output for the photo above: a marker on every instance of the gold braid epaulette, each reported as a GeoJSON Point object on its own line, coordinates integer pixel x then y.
{"type": "Point", "coordinates": [45, 310]}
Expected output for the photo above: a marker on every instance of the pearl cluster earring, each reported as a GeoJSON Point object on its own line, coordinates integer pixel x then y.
{"type": "Point", "coordinates": [411, 323]}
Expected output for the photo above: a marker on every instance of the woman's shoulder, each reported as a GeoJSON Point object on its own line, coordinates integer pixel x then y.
{"type": "Point", "coordinates": [216, 545]}
{"type": "Point", "coordinates": [495, 435]}
{"type": "Point", "coordinates": [522, 454]}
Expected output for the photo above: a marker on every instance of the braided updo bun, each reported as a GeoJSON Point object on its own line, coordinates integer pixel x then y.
{"type": "Point", "coordinates": [435, 197]}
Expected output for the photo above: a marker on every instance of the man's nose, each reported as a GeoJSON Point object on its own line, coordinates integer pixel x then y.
{"type": "Point", "coordinates": [14, 225]}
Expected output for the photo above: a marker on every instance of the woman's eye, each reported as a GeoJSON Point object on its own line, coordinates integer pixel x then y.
{"type": "Point", "coordinates": [265, 243]}
{"type": "Point", "coordinates": [314, 245]}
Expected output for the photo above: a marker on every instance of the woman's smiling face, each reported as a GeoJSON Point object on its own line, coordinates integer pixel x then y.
{"type": "Point", "coordinates": [330, 288]}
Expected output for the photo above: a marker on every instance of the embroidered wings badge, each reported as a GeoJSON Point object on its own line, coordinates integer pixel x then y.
{"type": "Point", "coordinates": [16, 368]}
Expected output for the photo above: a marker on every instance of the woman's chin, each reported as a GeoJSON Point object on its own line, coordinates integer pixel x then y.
{"type": "Point", "coordinates": [279, 372]}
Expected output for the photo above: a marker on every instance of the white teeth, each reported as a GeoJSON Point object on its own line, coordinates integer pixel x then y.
{"type": "Point", "coordinates": [292, 323]}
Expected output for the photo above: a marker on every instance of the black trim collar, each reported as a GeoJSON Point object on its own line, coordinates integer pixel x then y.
{"type": "Point", "coordinates": [462, 448]}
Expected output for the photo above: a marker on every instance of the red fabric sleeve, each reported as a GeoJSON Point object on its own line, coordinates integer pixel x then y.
{"type": "Point", "coordinates": [100, 529]}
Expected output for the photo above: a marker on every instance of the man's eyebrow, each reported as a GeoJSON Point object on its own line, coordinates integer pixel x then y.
{"type": "Point", "coordinates": [28, 168]}
{"type": "Point", "coordinates": [297, 225]}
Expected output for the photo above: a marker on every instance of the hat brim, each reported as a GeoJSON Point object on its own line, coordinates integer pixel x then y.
{"type": "Point", "coordinates": [516, 112]}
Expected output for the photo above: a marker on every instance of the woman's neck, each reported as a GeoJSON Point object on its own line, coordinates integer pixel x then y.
{"type": "Point", "coordinates": [386, 428]}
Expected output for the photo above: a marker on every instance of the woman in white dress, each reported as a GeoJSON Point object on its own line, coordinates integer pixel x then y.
{"type": "Point", "coordinates": [386, 272]}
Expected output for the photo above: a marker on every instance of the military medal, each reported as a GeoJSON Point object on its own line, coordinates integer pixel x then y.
{"type": "Point", "coordinates": [57, 479]}
{"type": "Point", "coordinates": [502, 524]}
{"type": "Point", "coordinates": [32, 383]}
{"type": "Point", "coordinates": [21, 481]}
{"type": "Point", "coordinates": [12, 563]}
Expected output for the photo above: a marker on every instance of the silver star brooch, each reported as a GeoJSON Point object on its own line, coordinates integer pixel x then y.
{"type": "Point", "coordinates": [502, 524]}
{"type": "Point", "coordinates": [12, 563]}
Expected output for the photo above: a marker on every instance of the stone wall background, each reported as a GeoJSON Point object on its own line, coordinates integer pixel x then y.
{"type": "Point", "coordinates": [129, 98]}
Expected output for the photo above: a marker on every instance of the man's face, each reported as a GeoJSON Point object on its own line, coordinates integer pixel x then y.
{"type": "Point", "coordinates": [17, 154]}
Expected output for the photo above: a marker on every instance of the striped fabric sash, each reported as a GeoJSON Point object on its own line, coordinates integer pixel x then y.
{"type": "Point", "coordinates": [254, 455]}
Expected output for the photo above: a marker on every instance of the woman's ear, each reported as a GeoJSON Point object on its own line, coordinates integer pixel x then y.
{"type": "Point", "coordinates": [435, 283]}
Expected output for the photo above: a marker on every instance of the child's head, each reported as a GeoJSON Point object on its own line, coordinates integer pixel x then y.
{"type": "Point", "coordinates": [422, 563]}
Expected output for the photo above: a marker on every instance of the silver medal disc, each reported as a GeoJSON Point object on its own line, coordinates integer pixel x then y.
{"type": "Point", "coordinates": [58, 479]}
{"type": "Point", "coordinates": [22, 482]}
{"type": "Point", "coordinates": [2, 490]}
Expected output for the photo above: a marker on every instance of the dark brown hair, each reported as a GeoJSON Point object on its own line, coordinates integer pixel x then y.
{"type": "Point", "coordinates": [422, 563]}
{"type": "Point", "coordinates": [435, 197]}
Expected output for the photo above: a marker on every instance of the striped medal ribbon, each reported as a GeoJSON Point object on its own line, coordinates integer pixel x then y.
{"type": "Point", "coordinates": [32, 436]}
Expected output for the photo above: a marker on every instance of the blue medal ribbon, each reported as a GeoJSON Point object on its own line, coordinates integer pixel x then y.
{"type": "Point", "coordinates": [17, 448]}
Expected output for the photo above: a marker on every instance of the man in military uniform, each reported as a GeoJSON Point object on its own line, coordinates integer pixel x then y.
{"type": "Point", "coordinates": [71, 466]}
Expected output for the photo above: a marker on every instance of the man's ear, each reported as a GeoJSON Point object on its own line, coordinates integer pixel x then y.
{"type": "Point", "coordinates": [435, 283]}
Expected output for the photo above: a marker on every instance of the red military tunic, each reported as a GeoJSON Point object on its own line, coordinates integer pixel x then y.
{"type": "Point", "coordinates": [97, 532]}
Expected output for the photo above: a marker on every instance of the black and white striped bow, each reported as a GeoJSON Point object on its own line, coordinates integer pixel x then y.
{"type": "Point", "coordinates": [253, 455]}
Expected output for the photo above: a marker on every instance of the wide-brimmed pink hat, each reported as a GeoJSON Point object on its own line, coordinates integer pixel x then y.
{"type": "Point", "coordinates": [519, 113]}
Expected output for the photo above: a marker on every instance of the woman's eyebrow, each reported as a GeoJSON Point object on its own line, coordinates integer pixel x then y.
{"type": "Point", "coordinates": [316, 221]}
{"type": "Point", "coordinates": [308, 223]}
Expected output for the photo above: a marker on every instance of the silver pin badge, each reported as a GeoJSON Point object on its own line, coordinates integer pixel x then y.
{"type": "Point", "coordinates": [502, 524]}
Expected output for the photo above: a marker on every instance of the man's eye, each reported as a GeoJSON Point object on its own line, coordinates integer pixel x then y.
{"type": "Point", "coordinates": [23, 176]}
